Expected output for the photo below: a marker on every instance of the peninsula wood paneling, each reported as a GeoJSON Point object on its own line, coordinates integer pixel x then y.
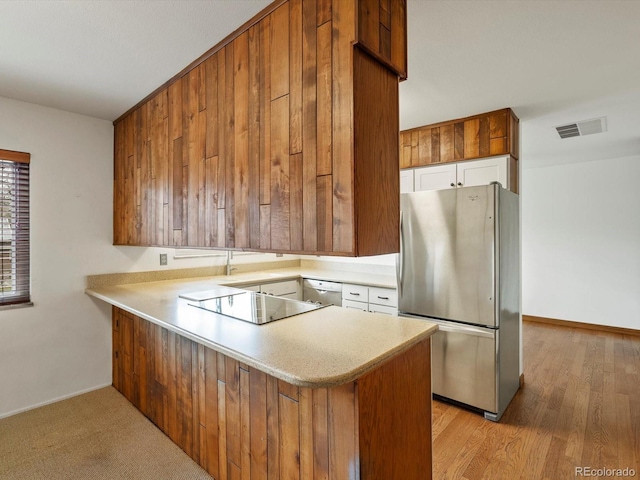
{"type": "Point", "coordinates": [382, 32]}
{"type": "Point", "coordinates": [238, 422]}
{"type": "Point", "coordinates": [254, 147]}
{"type": "Point", "coordinates": [485, 135]}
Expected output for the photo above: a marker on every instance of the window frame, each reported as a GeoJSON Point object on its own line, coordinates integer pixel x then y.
{"type": "Point", "coordinates": [20, 241]}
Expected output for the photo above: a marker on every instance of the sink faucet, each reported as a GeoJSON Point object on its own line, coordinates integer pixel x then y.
{"type": "Point", "coordinates": [229, 267]}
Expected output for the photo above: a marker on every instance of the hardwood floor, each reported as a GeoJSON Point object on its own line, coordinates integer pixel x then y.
{"type": "Point", "coordinates": [579, 407]}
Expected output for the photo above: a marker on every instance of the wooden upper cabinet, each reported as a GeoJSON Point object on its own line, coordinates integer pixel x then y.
{"type": "Point", "coordinates": [485, 135]}
{"type": "Point", "coordinates": [283, 138]}
{"type": "Point", "coordinates": [382, 32]}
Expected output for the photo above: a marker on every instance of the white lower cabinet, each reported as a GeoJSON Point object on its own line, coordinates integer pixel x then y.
{"type": "Point", "coordinates": [370, 299]}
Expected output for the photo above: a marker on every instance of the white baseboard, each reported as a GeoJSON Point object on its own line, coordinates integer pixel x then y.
{"type": "Point", "coordinates": [53, 400]}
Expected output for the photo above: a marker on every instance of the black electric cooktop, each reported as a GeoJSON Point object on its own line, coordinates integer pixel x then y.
{"type": "Point", "coordinates": [253, 307]}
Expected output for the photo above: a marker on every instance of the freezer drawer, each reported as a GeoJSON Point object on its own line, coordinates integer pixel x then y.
{"type": "Point", "coordinates": [464, 364]}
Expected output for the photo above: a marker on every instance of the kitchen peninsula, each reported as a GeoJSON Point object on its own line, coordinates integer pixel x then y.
{"type": "Point", "coordinates": [332, 393]}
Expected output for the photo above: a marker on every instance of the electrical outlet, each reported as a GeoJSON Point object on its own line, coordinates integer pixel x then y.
{"type": "Point", "coordinates": [163, 259]}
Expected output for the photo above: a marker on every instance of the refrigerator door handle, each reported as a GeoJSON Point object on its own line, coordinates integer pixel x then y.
{"type": "Point", "coordinates": [400, 260]}
{"type": "Point", "coordinates": [466, 329]}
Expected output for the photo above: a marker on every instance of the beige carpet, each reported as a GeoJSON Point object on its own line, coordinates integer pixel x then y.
{"type": "Point", "coordinates": [98, 435]}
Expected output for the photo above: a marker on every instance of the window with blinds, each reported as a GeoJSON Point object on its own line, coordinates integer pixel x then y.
{"type": "Point", "coordinates": [14, 228]}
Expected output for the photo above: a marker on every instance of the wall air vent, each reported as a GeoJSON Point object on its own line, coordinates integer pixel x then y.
{"type": "Point", "coordinates": [585, 127]}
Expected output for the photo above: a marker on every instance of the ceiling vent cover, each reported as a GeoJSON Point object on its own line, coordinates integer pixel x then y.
{"type": "Point", "coordinates": [585, 127]}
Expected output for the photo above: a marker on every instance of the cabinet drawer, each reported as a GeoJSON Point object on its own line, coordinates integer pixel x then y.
{"type": "Point", "coordinates": [383, 309]}
{"type": "Point", "coordinates": [355, 305]}
{"type": "Point", "coordinates": [359, 293]}
{"type": "Point", "coordinates": [383, 296]}
{"type": "Point", "coordinates": [280, 288]}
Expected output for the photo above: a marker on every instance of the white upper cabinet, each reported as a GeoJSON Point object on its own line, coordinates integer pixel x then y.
{"type": "Point", "coordinates": [464, 174]}
{"type": "Point", "coordinates": [406, 181]}
{"type": "Point", "coordinates": [483, 172]}
{"type": "Point", "coordinates": [437, 177]}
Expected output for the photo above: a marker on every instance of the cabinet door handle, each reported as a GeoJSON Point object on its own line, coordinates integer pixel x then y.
{"type": "Point", "coordinates": [459, 184]}
{"type": "Point", "coordinates": [453, 184]}
{"type": "Point", "coordinates": [383, 298]}
{"type": "Point", "coordinates": [354, 294]}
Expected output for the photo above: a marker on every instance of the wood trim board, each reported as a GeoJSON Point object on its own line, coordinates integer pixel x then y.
{"type": "Point", "coordinates": [587, 326]}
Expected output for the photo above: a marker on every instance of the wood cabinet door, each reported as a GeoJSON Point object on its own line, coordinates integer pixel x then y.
{"type": "Point", "coordinates": [483, 172]}
{"type": "Point", "coordinates": [437, 177]}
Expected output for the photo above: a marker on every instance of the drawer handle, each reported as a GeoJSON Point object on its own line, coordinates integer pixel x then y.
{"type": "Point", "coordinates": [383, 298]}
{"type": "Point", "coordinates": [354, 294]}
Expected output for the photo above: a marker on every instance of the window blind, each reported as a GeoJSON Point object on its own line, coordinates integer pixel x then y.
{"type": "Point", "coordinates": [14, 228]}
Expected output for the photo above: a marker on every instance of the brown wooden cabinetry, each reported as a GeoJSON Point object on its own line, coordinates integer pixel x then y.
{"type": "Point", "coordinates": [239, 422]}
{"type": "Point", "coordinates": [282, 139]}
{"type": "Point", "coordinates": [485, 135]}
{"type": "Point", "coordinates": [382, 31]}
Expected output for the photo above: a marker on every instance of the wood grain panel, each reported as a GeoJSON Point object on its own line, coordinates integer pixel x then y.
{"type": "Point", "coordinates": [238, 422]}
{"type": "Point", "coordinates": [424, 149]}
{"type": "Point", "coordinates": [415, 145]}
{"type": "Point", "coordinates": [254, 136]}
{"type": "Point", "coordinates": [382, 32]}
{"type": "Point", "coordinates": [498, 124]}
{"type": "Point", "coordinates": [200, 150]}
{"type": "Point", "coordinates": [190, 128]}
{"type": "Point", "coordinates": [447, 143]}
{"type": "Point", "coordinates": [399, 37]}
{"type": "Point", "coordinates": [325, 213]}
{"type": "Point", "coordinates": [211, 75]}
{"type": "Point", "coordinates": [245, 425]}
{"type": "Point", "coordinates": [400, 445]}
{"type": "Point", "coordinates": [435, 145]}
{"type": "Point", "coordinates": [484, 137]}
{"type": "Point", "coordinates": [229, 147]}
{"type": "Point", "coordinates": [280, 52]}
{"type": "Point", "coordinates": [458, 141]}
{"type": "Point", "coordinates": [289, 438]}
{"type": "Point", "coordinates": [513, 133]}
{"type": "Point", "coordinates": [265, 226]}
{"type": "Point", "coordinates": [265, 119]}
{"type": "Point", "coordinates": [324, 11]}
{"type": "Point", "coordinates": [343, 433]}
{"type": "Point", "coordinates": [232, 403]}
{"type": "Point", "coordinates": [306, 433]}
{"type": "Point", "coordinates": [342, 160]}
{"type": "Point", "coordinates": [241, 148]}
{"type": "Point", "coordinates": [320, 433]}
{"type": "Point", "coordinates": [258, 421]}
{"type": "Point", "coordinates": [296, 214]}
{"type": "Point", "coordinates": [471, 138]}
{"type": "Point", "coordinates": [280, 201]}
{"type": "Point", "coordinates": [369, 23]}
{"type": "Point", "coordinates": [405, 149]}
{"type": "Point", "coordinates": [210, 414]}
{"type": "Point", "coordinates": [324, 102]}
{"type": "Point", "coordinates": [273, 440]}
{"type": "Point", "coordinates": [309, 125]}
{"type": "Point", "coordinates": [498, 146]}
{"type": "Point", "coordinates": [295, 77]}
{"type": "Point", "coordinates": [377, 183]}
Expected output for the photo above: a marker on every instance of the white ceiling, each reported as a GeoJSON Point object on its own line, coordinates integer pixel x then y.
{"type": "Point", "coordinates": [552, 61]}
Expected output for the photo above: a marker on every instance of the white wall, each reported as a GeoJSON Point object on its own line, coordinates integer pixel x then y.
{"type": "Point", "coordinates": [581, 242]}
{"type": "Point", "coordinates": [62, 345]}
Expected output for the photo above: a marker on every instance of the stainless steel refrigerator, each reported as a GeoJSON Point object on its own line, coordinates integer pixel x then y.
{"type": "Point", "coordinates": [459, 266]}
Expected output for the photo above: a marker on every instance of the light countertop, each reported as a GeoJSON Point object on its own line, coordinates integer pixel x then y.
{"type": "Point", "coordinates": [322, 348]}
